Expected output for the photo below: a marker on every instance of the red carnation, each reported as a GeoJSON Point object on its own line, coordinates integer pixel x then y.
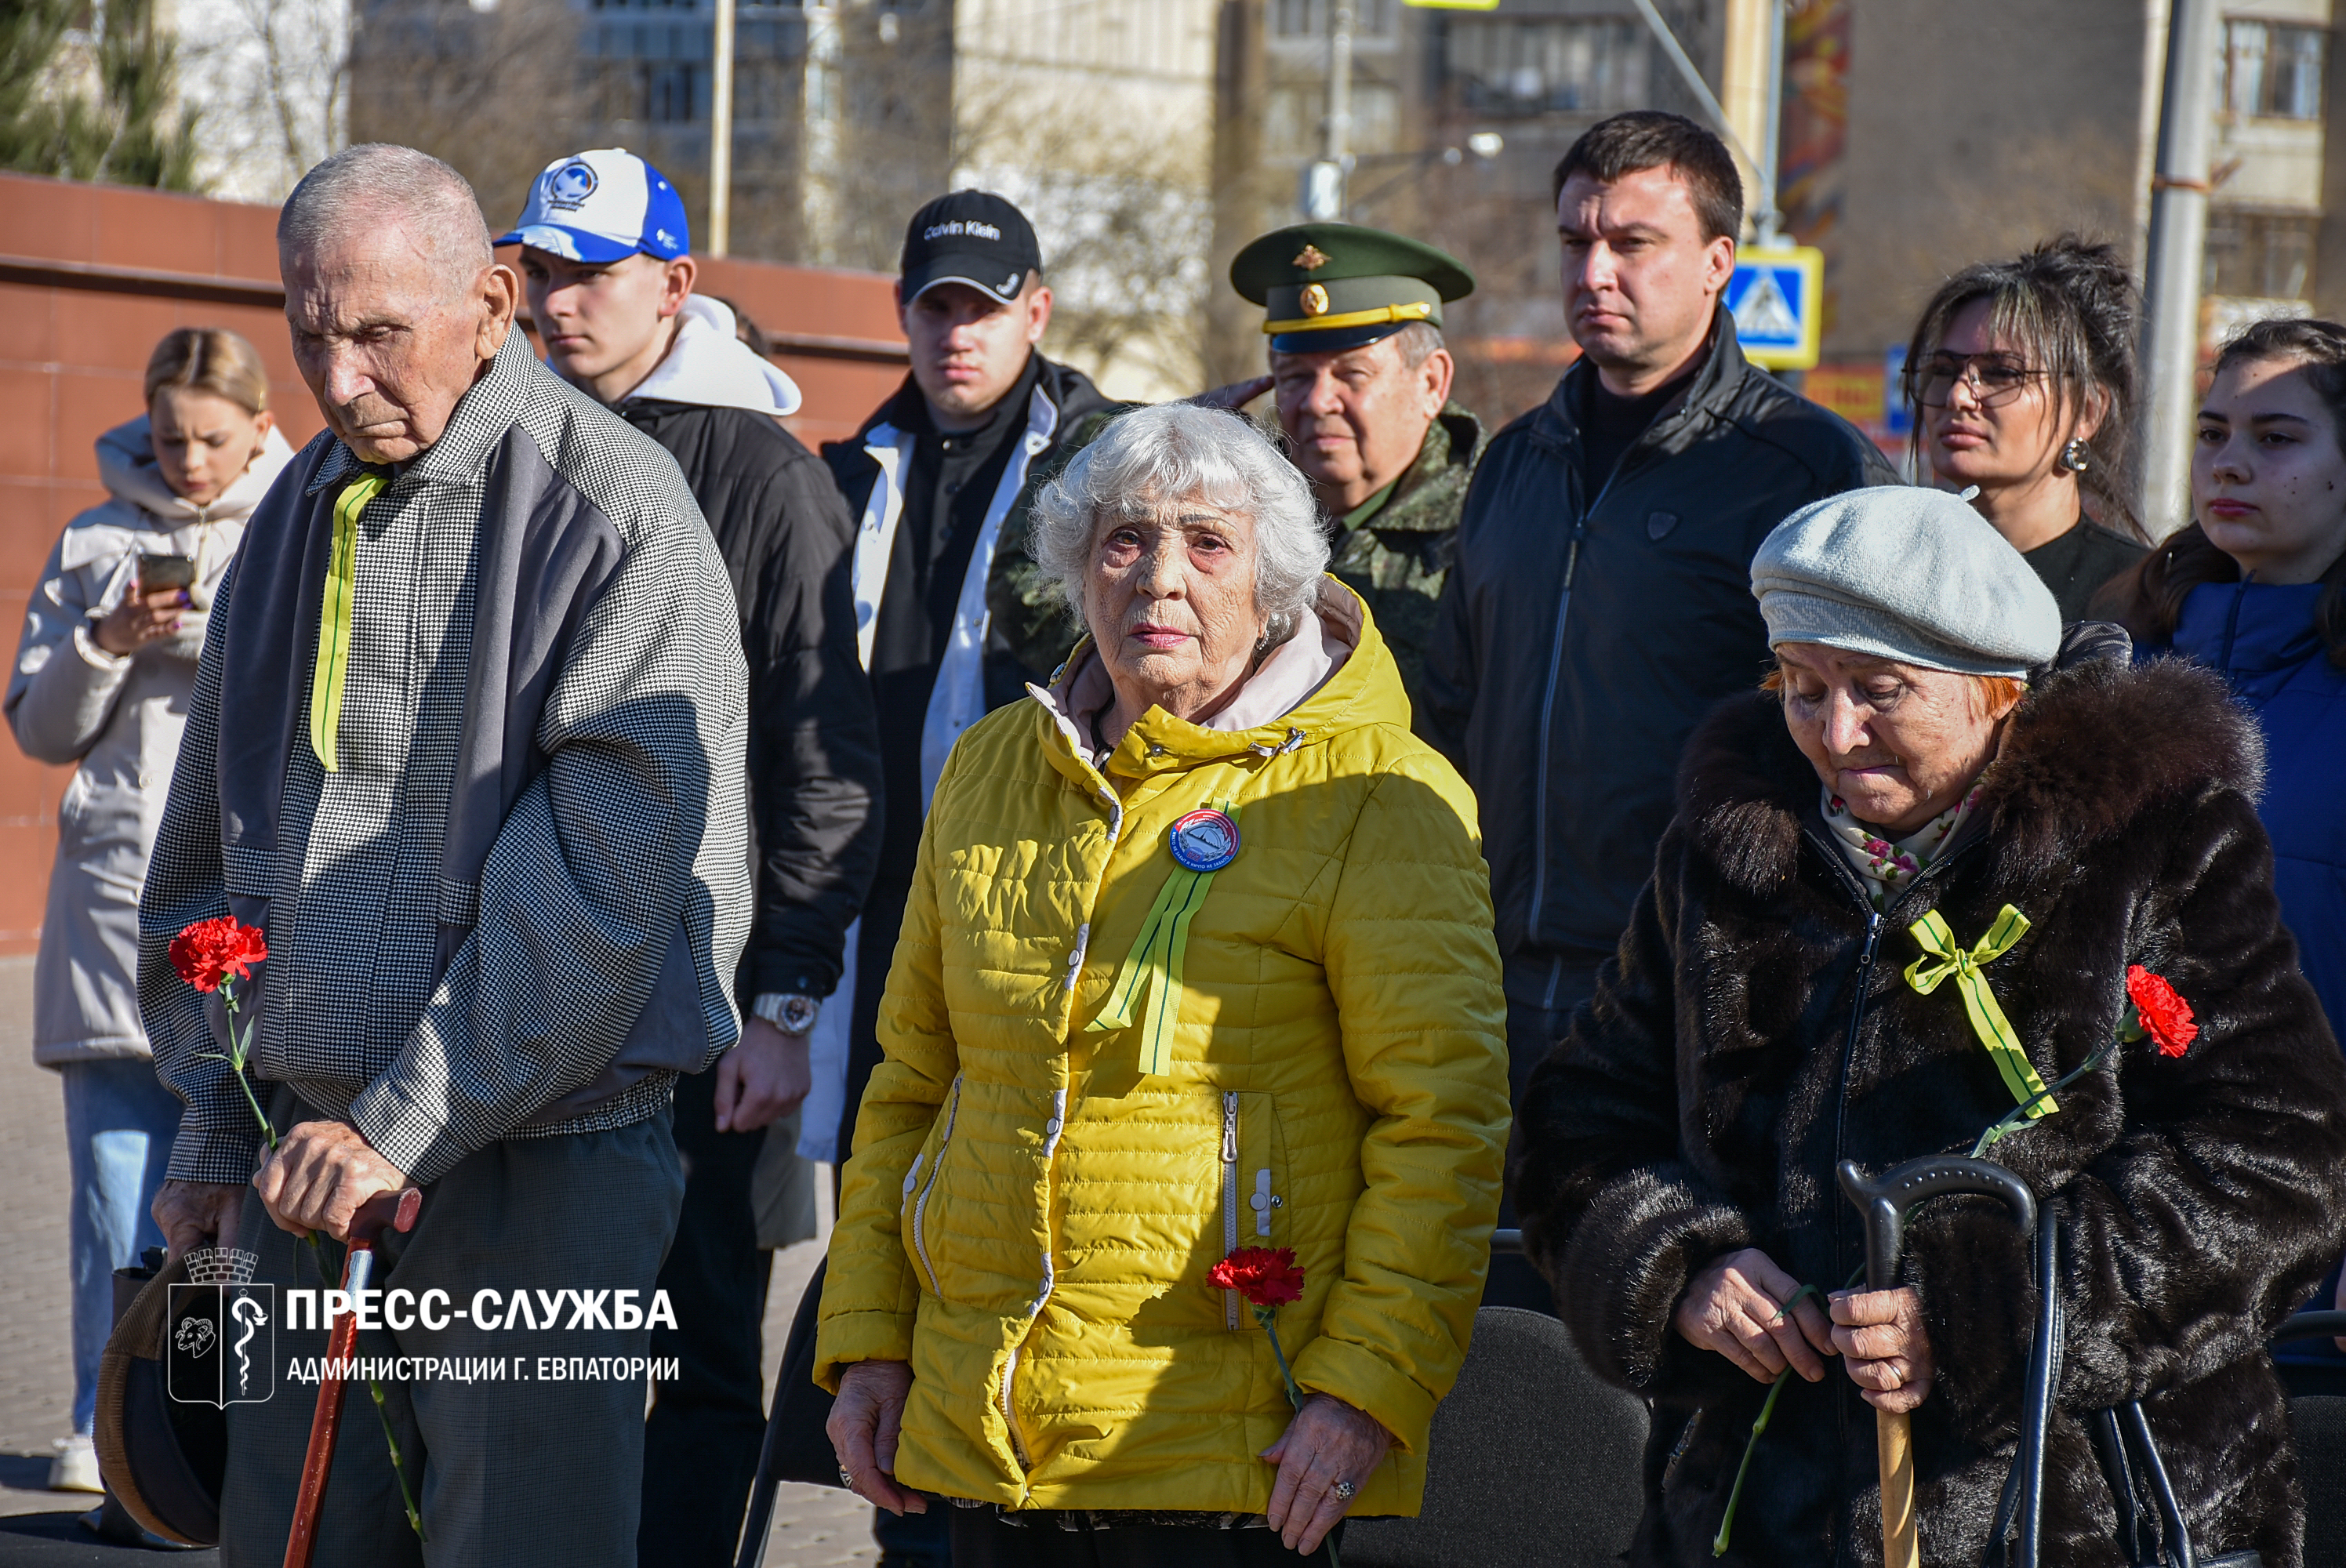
{"type": "Point", "coordinates": [1266, 1276]}
{"type": "Point", "coordinates": [213, 951]}
{"type": "Point", "coordinates": [2160, 1012]}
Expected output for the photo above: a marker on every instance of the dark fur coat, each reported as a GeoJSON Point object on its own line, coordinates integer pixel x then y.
{"type": "Point", "coordinates": [1703, 1098]}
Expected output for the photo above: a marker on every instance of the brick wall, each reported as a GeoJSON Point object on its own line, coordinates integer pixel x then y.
{"type": "Point", "coordinates": [92, 276]}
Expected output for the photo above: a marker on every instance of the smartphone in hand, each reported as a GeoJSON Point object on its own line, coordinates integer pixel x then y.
{"type": "Point", "coordinates": [157, 571]}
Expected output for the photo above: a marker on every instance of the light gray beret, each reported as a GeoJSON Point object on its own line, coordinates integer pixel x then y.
{"type": "Point", "coordinates": [1905, 572]}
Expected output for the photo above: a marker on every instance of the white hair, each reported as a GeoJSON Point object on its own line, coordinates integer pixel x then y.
{"type": "Point", "coordinates": [376, 184]}
{"type": "Point", "coordinates": [1176, 451]}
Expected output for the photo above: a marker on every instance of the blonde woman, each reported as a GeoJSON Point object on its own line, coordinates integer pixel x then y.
{"type": "Point", "coordinates": [101, 680]}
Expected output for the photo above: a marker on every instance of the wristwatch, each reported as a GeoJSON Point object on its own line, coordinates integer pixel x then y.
{"type": "Point", "coordinates": [792, 1012]}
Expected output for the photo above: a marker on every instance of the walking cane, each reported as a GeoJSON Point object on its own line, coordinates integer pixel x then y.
{"type": "Point", "coordinates": [384, 1211]}
{"type": "Point", "coordinates": [1885, 1203]}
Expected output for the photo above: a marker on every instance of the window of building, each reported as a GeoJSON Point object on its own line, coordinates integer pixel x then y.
{"type": "Point", "coordinates": [1309, 18]}
{"type": "Point", "coordinates": [2272, 71]}
{"type": "Point", "coordinates": [2260, 255]}
{"type": "Point", "coordinates": [669, 94]}
{"type": "Point", "coordinates": [1589, 65]}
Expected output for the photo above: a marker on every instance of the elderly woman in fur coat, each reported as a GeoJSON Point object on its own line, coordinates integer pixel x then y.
{"type": "Point", "coordinates": [1929, 742]}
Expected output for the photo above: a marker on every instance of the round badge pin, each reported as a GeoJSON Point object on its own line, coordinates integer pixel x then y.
{"type": "Point", "coordinates": [1205, 841]}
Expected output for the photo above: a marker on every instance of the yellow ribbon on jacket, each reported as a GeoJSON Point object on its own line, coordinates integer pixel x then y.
{"type": "Point", "coordinates": [1988, 1021]}
{"type": "Point", "coordinates": [1153, 966]}
{"type": "Point", "coordinates": [334, 666]}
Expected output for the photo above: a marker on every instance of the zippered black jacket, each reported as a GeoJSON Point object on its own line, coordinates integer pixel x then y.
{"type": "Point", "coordinates": [1586, 630]}
{"type": "Point", "coordinates": [814, 744]}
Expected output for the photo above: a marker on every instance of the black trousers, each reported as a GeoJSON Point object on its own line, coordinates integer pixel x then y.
{"type": "Point", "coordinates": [1533, 1032]}
{"type": "Point", "coordinates": [517, 1470]}
{"type": "Point", "coordinates": [701, 1439]}
{"type": "Point", "coordinates": [981, 1540]}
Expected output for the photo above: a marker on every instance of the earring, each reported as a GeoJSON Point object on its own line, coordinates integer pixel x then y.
{"type": "Point", "coordinates": [2074, 456]}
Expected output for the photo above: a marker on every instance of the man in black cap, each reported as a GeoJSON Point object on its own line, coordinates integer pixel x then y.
{"type": "Point", "coordinates": [932, 477]}
{"type": "Point", "coordinates": [1363, 384]}
{"type": "Point", "coordinates": [1599, 601]}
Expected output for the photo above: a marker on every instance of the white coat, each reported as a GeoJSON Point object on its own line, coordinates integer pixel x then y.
{"type": "Point", "coordinates": [70, 701]}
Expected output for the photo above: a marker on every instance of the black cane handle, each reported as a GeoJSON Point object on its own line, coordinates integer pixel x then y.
{"type": "Point", "coordinates": [1884, 1201]}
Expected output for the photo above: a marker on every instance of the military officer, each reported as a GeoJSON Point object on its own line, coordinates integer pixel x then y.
{"type": "Point", "coordinates": [1362, 389]}
{"type": "Point", "coordinates": [1354, 319]}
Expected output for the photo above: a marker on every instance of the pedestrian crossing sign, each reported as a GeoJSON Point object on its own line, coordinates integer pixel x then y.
{"type": "Point", "coordinates": [1776, 298]}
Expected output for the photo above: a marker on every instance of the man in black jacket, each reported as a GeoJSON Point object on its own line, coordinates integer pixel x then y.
{"type": "Point", "coordinates": [934, 475]}
{"type": "Point", "coordinates": [605, 266]}
{"type": "Point", "coordinates": [1601, 599]}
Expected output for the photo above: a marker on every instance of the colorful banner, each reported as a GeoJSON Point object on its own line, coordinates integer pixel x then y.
{"type": "Point", "coordinates": [1815, 128]}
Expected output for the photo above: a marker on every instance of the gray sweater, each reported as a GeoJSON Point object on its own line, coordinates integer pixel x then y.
{"type": "Point", "coordinates": [515, 908]}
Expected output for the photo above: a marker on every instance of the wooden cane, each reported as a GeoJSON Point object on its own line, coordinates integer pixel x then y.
{"type": "Point", "coordinates": [1884, 1202]}
{"type": "Point", "coordinates": [1894, 1440]}
{"type": "Point", "coordinates": [392, 1211]}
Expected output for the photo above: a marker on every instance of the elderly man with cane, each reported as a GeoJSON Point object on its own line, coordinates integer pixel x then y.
{"type": "Point", "coordinates": [466, 742]}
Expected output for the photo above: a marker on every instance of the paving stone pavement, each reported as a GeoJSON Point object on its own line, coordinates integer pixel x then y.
{"type": "Point", "coordinates": [814, 1526]}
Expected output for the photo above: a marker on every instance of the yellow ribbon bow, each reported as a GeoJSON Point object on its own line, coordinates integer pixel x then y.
{"type": "Point", "coordinates": [1988, 1021]}
{"type": "Point", "coordinates": [334, 666]}
{"type": "Point", "coordinates": [1155, 966]}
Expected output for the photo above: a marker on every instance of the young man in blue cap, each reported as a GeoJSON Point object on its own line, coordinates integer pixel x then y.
{"type": "Point", "coordinates": [608, 269]}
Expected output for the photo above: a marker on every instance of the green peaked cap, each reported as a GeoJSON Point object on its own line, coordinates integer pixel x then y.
{"type": "Point", "coordinates": [1327, 286]}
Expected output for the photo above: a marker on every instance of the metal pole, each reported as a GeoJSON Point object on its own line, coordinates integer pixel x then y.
{"type": "Point", "coordinates": [1770, 222]}
{"type": "Point", "coordinates": [720, 135]}
{"type": "Point", "coordinates": [1340, 94]}
{"type": "Point", "coordinates": [1709, 100]}
{"type": "Point", "coordinates": [2178, 232]}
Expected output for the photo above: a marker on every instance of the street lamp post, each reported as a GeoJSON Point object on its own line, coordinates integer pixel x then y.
{"type": "Point", "coordinates": [1323, 182]}
{"type": "Point", "coordinates": [721, 134]}
{"type": "Point", "coordinates": [2179, 234]}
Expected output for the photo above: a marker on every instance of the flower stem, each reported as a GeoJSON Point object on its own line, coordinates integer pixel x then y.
{"type": "Point", "coordinates": [2013, 1120]}
{"type": "Point", "coordinates": [240, 1049]}
{"type": "Point", "coordinates": [398, 1467]}
{"type": "Point", "coordinates": [1263, 1315]}
{"type": "Point", "coordinates": [1751, 1444]}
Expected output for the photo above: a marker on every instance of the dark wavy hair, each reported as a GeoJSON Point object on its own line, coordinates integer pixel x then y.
{"type": "Point", "coordinates": [2150, 597]}
{"type": "Point", "coordinates": [2068, 307]}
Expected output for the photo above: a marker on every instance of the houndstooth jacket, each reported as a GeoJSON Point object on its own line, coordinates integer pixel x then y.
{"type": "Point", "coordinates": [515, 908]}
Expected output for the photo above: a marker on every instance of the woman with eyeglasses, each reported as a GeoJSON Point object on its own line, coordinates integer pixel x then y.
{"type": "Point", "coordinates": [2022, 375]}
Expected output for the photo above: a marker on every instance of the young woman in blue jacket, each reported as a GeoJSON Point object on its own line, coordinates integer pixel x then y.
{"type": "Point", "coordinates": [2256, 588]}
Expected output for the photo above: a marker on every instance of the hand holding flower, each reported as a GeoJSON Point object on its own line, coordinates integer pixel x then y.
{"type": "Point", "coordinates": [318, 1176]}
{"type": "Point", "coordinates": [1327, 1442]}
{"type": "Point", "coordinates": [1736, 1307]}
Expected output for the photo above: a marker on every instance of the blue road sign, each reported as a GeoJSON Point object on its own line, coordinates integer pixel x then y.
{"type": "Point", "coordinates": [1776, 298]}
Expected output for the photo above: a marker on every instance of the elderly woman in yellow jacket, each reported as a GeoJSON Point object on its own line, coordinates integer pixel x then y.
{"type": "Point", "coordinates": [1199, 958]}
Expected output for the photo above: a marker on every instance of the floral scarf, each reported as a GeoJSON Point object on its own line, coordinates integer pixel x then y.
{"type": "Point", "coordinates": [1887, 867]}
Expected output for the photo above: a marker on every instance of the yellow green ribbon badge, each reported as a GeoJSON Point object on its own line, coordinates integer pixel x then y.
{"type": "Point", "coordinates": [334, 666]}
{"type": "Point", "coordinates": [1153, 966]}
{"type": "Point", "coordinates": [1988, 1021]}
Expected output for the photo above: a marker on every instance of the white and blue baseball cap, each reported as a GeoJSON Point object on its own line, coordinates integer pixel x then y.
{"type": "Point", "coordinates": [602, 205]}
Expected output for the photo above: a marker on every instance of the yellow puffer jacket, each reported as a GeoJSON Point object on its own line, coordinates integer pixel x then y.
{"type": "Point", "coordinates": [1029, 1220]}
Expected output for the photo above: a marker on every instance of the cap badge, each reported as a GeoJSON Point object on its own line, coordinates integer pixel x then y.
{"type": "Point", "coordinates": [572, 184]}
{"type": "Point", "coordinates": [1315, 300]}
{"type": "Point", "coordinates": [1311, 259]}
{"type": "Point", "coordinates": [1205, 841]}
